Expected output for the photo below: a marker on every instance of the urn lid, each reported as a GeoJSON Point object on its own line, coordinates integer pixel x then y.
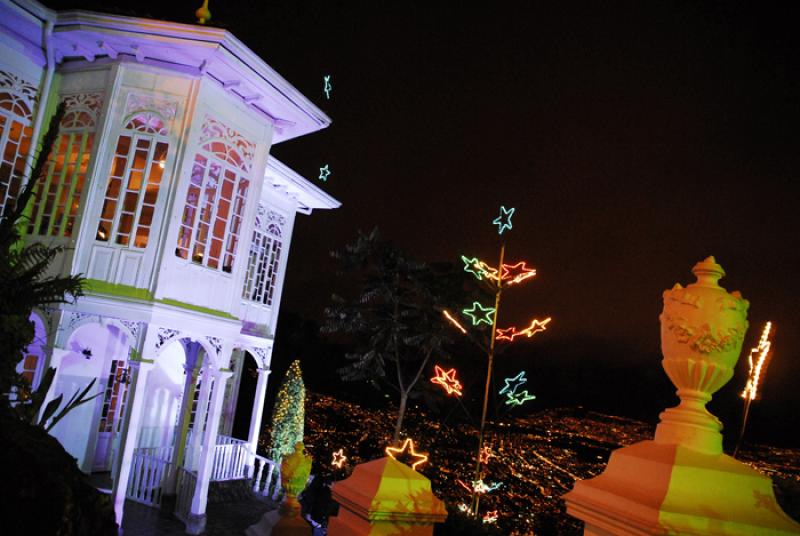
{"type": "Point", "coordinates": [708, 273]}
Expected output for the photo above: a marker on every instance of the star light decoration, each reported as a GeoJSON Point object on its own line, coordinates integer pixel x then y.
{"type": "Point", "coordinates": [447, 379]}
{"type": "Point", "coordinates": [339, 458]}
{"type": "Point", "coordinates": [490, 517]}
{"type": "Point", "coordinates": [503, 221]}
{"type": "Point", "coordinates": [512, 384]}
{"type": "Point", "coordinates": [517, 399]}
{"type": "Point", "coordinates": [509, 334]}
{"type": "Point", "coordinates": [327, 86]}
{"type": "Point", "coordinates": [486, 312]}
{"type": "Point", "coordinates": [510, 274]}
{"type": "Point", "coordinates": [324, 172]}
{"type": "Point", "coordinates": [407, 451]}
{"type": "Point", "coordinates": [479, 486]}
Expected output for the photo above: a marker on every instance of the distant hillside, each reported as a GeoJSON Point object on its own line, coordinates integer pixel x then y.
{"type": "Point", "coordinates": [538, 457]}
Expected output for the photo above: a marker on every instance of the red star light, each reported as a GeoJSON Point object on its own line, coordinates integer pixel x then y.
{"type": "Point", "coordinates": [447, 380]}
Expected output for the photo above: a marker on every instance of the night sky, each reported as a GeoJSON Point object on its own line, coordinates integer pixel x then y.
{"type": "Point", "coordinates": [634, 140]}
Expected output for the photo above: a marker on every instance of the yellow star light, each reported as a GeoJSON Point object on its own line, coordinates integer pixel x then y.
{"type": "Point", "coordinates": [407, 451]}
{"type": "Point", "coordinates": [339, 458]}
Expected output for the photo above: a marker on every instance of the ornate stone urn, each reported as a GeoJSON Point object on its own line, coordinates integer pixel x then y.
{"type": "Point", "coordinates": [295, 469]}
{"type": "Point", "coordinates": [702, 329]}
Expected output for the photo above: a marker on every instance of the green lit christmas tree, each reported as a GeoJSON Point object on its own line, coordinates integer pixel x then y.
{"type": "Point", "coordinates": [288, 416]}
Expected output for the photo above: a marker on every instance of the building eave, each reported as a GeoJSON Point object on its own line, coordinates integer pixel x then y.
{"type": "Point", "coordinates": [280, 177]}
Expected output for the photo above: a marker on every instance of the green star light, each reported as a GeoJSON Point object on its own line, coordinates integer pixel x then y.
{"type": "Point", "coordinates": [485, 311]}
{"type": "Point", "coordinates": [471, 267]}
{"type": "Point", "coordinates": [517, 399]}
{"type": "Point", "coordinates": [504, 219]}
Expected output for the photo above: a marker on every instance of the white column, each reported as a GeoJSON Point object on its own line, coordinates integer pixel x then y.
{"type": "Point", "coordinates": [196, 522]}
{"type": "Point", "coordinates": [193, 452]}
{"type": "Point", "coordinates": [258, 409]}
{"type": "Point", "coordinates": [191, 368]}
{"type": "Point", "coordinates": [130, 431]}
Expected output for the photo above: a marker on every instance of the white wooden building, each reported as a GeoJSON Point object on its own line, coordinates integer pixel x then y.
{"type": "Point", "coordinates": [164, 195]}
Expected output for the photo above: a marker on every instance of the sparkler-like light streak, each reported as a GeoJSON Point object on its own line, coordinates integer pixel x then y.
{"type": "Point", "coordinates": [758, 368]}
{"type": "Point", "coordinates": [339, 458]}
{"type": "Point", "coordinates": [509, 334]}
{"type": "Point", "coordinates": [447, 379]}
{"type": "Point", "coordinates": [503, 221]}
{"type": "Point", "coordinates": [486, 313]}
{"type": "Point", "coordinates": [464, 508]}
{"type": "Point", "coordinates": [453, 321]}
{"type": "Point", "coordinates": [512, 384]}
{"type": "Point", "coordinates": [517, 399]}
{"type": "Point", "coordinates": [408, 450]}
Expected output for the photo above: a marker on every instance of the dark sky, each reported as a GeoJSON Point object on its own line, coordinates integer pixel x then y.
{"type": "Point", "coordinates": [633, 138]}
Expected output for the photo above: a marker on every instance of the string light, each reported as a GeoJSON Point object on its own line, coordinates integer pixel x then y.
{"type": "Point", "coordinates": [327, 87]}
{"type": "Point", "coordinates": [759, 366]}
{"type": "Point", "coordinates": [512, 384]}
{"type": "Point", "coordinates": [407, 450]}
{"type": "Point", "coordinates": [509, 334]}
{"type": "Point", "coordinates": [503, 221]}
{"type": "Point", "coordinates": [454, 321]}
{"type": "Point", "coordinates": [490, 517]}
{"type": "Point", "coordinates": [324, 173]}
{"type": "Point", "coordinates": [339, 458]}
{"type": "Point", "coordinates": [447, 379]}
{"type": "Point", "coordinates": [485, 311]}
{"type": "Point", "coordinates": [517, 399]}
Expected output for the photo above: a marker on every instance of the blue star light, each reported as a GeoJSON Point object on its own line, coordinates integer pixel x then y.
{"type": "Point", "coordinates": [485, 311]}
{"type": "Point", "coordinates": [517, 399]}
{"type": "Point", "coordinates": [324, 171]}
{"type": "Point", "coordinates": [327, 87]}
{"type": "Point", "coordinates": [504, 219]}
{"type": "Point", "coordinates": [512, 384]}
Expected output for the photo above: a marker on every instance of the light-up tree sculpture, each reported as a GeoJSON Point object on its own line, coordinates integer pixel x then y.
{"type": "Point", "coordinates": [498, 279]}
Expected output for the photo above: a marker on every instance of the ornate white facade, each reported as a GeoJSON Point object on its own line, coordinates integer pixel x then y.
{"type": "Point", "coordinates": [164, 196]}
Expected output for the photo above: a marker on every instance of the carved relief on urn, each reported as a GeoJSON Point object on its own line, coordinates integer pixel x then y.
{"type": "Point", "coordinates": [702, 329]}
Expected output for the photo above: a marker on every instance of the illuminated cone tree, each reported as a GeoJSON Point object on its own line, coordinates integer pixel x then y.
{"type": "Point", "coordinates": [288, 415]}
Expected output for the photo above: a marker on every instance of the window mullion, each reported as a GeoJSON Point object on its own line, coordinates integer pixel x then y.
{"type": "Point", "coordinates": [84, 137]}
{"type": "Point", "coordinates": [142, 191]}
{"type": "Point", "coordinates": [123, 188]}
{"type": "Point", "coordinates": [60, 184]}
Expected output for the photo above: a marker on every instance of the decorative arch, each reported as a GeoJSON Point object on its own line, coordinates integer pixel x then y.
{"type": "Point", "coordinates": [167, 336]}
{"type": "Point", "coordinates": [77, 320]}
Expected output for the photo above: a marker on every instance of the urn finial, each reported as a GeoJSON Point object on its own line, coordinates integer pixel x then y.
{"type": "Point", "coordinates": [708, 272]}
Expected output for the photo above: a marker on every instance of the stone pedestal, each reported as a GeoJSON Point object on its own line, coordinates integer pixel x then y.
{"type": "Point", "coordinates": [286, 521]}
{"type": "Point", "coordinates": [681, 482]}
{"type": "Point", "coordinates": [385, 497]}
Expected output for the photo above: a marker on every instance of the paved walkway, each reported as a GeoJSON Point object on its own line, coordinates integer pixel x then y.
{"type": "Point", "coordinates": [228, 518]}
